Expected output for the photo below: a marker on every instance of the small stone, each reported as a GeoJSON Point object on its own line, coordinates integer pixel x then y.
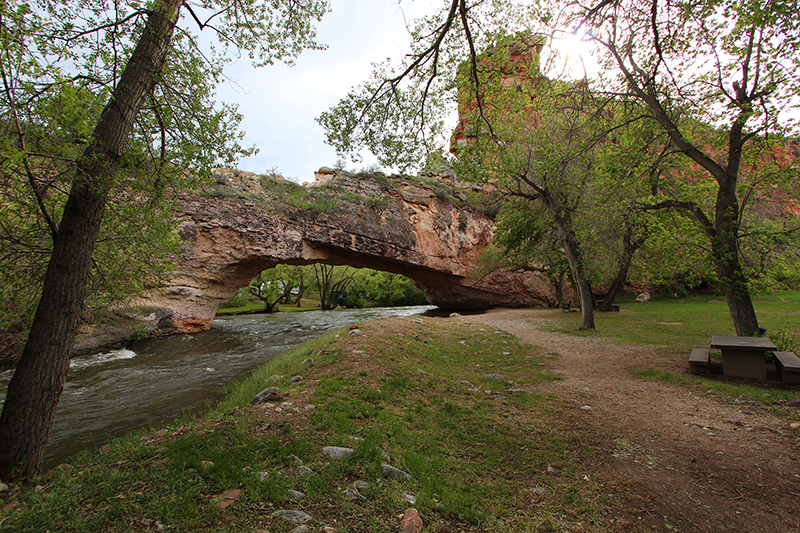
{"type": "Point", "coordinates": [263, 476]}
{"type": "Point", "coordinates": [467, 384]}
{"type": "Point", "coordinates": [411, 522]}
{"type": "Point", "coordinates": [310, 407]}
{"type": "Point", "coordinates": [394, 473]}
{"type": "Point", "coordinates": [296, 495]}
{"type": "Point", "coordinates": [354, 333]}
{"type": "Point", "coordinates": [337, 452]}
{"type": "Point", "coordinates": [158, 464]}
{"type": "Point", "coordinates": [301, 529]}
{"type": "Point", "coordinates": [328, 529]}
{"type": "Point", "coordinates": [227, 498]}
{"type": "Point", "coordinates": [361, 485]}
{"type": "Point", "coordinates": [295, 379]}
{"type": "Point", "coordinates": [586, 407]}
{"type": "Point", "coordinates": [410, 498]}
{"type": "Point", "coordinates": [3, 487]}
{"type": "Point", "coordinates": [105, 448]}
{"type": "Point", "coordinates": [496, 377]}
{"type": "Point", "coordinates": [422, 372]}
{"type": "Point", "coordinates": [298, 517]}
{"type": "Point", "coordinates": [270, 394]}
{"type": "Point", "coordinates": [517, 392]}
{"type": "Point", "coordinates": [454, 315]}
{"type": "Point", "coordinates": [305, 471]}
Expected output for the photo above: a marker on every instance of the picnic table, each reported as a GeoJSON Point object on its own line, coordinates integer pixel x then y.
{"type": "Point", "coordinates": [744, 357]}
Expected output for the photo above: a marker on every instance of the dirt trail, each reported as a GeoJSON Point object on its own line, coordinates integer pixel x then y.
{"type": "Point", "coordinates": [695, 464]}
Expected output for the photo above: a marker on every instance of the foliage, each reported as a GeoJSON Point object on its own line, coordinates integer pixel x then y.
{"type": "Point", "coordinates": [113, 102]}
{"type": "Point", "coordinates": [400, 113]}
{"type": "Point", "coordinates": [715, 78]}
{"type": "Point", "coordinates": [718, 78]}
{"type": "Point", "coordinates": [382, 289]}
{"type": "Point", "coordinates": [48, 110]}
{"type": "Point", "coordinates": [332, 283]}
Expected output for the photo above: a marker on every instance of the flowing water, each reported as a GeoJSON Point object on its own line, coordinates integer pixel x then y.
{"type": "Point", "coordinates": [154, 381]}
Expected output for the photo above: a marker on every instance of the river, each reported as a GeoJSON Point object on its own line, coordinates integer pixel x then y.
{"type": "Point", "coordinates": [154, 381]}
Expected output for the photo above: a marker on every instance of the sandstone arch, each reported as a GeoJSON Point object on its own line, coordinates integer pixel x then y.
{"type": "Point", "coordinates": [416, 227]}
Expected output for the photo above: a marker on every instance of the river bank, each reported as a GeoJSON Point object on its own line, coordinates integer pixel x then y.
{"type": "Point", "coordinates": [482, 431]}
{"type": "Point", "coordinates": [152, 381]}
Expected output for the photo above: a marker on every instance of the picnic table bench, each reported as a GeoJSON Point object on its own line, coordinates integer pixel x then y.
{"type": "Point", "coordinates": [788, 366]}
{"type": "Point", "coordinates": [744, 357]}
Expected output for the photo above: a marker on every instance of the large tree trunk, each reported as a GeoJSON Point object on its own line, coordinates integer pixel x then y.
{"type": "Point", "coordinates": [573, 251]}
{"type": "Point", "coordinates": [729, 268]}
{"type": "Point", "coordinates": [34, 391]}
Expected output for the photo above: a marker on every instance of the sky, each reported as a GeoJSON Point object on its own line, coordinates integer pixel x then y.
{"type": "Point", "coordinates": [279, 103]}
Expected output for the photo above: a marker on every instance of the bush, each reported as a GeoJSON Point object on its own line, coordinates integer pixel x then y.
{"type": "Point", "coordinates": [236, 301]}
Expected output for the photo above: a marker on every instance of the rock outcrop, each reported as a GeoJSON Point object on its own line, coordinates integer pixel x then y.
{"type": "Point", "coordinates": [423, 228]}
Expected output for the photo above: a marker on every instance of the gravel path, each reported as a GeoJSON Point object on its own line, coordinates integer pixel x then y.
{"type": "Point", "coordinates": [701, 464]}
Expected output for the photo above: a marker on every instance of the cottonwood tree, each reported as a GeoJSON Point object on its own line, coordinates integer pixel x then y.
{"type": "Point", "coordinates": [535, 139]}
{"type": "Point", "coordinates": [158, 122]}
{"type": "Point", "coordinates": [332, 282]}
{"type": "Point", "coordinates": [729, 67]}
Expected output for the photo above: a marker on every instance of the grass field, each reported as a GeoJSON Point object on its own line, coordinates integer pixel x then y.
{"type": "Point", "coordinates": [688, 322]}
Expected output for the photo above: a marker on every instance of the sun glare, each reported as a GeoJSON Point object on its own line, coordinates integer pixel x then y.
{"type": "Point", "coordinates": [570, 56]}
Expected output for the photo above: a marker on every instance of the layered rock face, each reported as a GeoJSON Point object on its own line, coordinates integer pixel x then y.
{"type": "Point", "coordinates": [421, 228]}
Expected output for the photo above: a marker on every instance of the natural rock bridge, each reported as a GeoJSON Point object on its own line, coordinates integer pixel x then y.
{"type": "Point", "coordinates": [422, 228]}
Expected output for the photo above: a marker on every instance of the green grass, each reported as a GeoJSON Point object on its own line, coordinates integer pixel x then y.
{"type": "Point", "coordinates": [415, 393]}
{"type": "Point", "coordinates": [472, 456]}
{"type": "Point", "coordinates": [307, 304]}
{"type": "Point", "coordinates": [686, 322]}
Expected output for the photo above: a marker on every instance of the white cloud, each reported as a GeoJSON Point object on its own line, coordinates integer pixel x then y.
{"type": "Point", "coordinates": [280, 103]}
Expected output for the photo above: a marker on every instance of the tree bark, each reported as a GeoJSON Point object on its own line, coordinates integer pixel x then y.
{"type": "Point", "coordinates": [38, 380]}
{"type": "Point", "coordinates": [629, 248]}
{"type": "Point", "coordinates": [572, 250]}
{"type": "Point", "coordinates": [729, 269]}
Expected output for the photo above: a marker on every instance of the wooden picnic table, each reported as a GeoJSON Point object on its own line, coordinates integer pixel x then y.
{"type": "Point", "coordinates": [744, 357]}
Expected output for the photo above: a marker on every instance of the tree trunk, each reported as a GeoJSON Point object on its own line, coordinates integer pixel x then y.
{"type": "Point", "coordinates": [629, 248]}
{"type": "Point", "coordinates": [729, 268]}
{"type": "Point", "coordinates": [38, 381]}
{"type": "Point", "coordinates": [573, 251]}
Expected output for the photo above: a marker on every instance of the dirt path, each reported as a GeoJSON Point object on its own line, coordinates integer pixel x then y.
{"type": "Point", "coordinates": [694, 463]}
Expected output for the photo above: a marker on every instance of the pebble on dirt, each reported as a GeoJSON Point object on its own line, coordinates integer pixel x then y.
{"type": "Point", "coordinates": [298, 517]}
{"type": "Point", "coordinates": [411, 522]}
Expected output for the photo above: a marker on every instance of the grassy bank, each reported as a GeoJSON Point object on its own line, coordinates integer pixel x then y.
{"type": "Point", "coordinates": [257, 306]}
{"type": "Point", "coordinates": [461, 413]}
{"type": "Point", "coordinates": [424, 395]}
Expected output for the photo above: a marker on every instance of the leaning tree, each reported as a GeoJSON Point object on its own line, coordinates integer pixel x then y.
{"type": "Point", "coordinates": [146, 62]}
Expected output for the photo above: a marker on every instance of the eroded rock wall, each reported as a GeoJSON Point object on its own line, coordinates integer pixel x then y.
{"type": "Point", "coordinates": [409, 227]}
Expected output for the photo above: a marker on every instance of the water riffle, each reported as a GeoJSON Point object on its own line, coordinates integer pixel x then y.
{"type": "Point", "coordinates": [154, 381]}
